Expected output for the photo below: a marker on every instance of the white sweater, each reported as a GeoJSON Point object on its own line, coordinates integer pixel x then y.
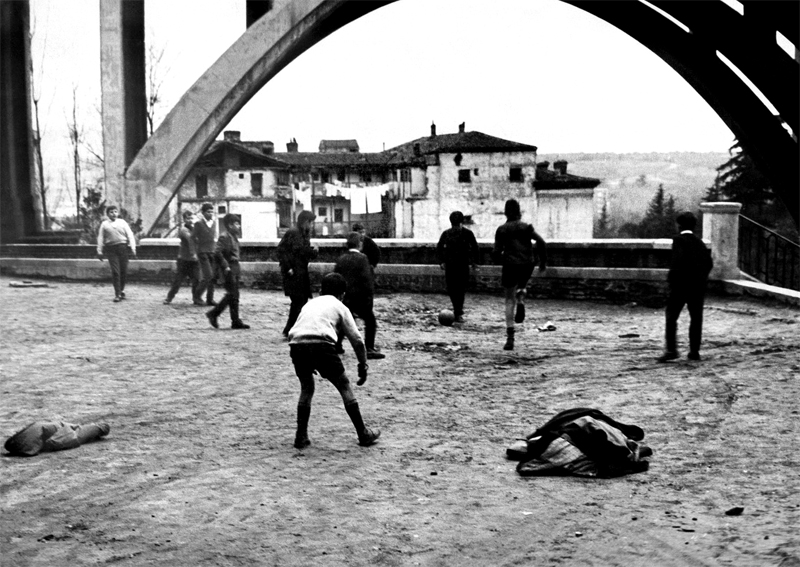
{"type": "Point", "coordinates": [322, 320]}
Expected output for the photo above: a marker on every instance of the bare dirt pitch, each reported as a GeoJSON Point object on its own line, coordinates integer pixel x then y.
{"type": "Point", "coordinates": [199, 469]}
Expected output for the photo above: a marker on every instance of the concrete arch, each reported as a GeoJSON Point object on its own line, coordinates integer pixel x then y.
{"type": "Point", "coordinates": [292, 26]}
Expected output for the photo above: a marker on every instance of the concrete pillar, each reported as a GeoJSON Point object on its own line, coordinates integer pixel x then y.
{"type": "Point", "coordinates": [20, 210]}
{"type": "Point", "coordinates": [721, 229]}
{"type": "Point", "coordinates": [122, 76]}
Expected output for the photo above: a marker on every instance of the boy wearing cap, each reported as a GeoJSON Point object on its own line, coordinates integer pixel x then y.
{"type": "Point", "coordinates": [227, 255]}
{"type": "Point", "coordinates": [312, 339]}
{"type": "Point", "coordinates": [687, 278]}
{"type": "Point", "coordinates": [294, 253]}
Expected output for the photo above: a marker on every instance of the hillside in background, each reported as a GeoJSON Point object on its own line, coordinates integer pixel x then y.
{"type": "Point", "coordinates": [630, 181]}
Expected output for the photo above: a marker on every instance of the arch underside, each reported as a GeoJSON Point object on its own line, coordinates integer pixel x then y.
{"type": "Point", "coordinates": [293, 26]}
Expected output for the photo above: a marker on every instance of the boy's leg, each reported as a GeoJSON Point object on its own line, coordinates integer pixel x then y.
{"type": "Point", "coordinates": [303, 367]}
{"type": "Point", "coordinates": [123, 270]}
{"type": "Point", "coordinates": [113, 263]}
{"type": "Point", "coordinates": [695, 306]}
{"type": "Point", "coordinates": [510, 305]}
{"type": "Point", "coordinates": [298, 300]}
{"type": "Point", "coordinates": [176, 283]}
{"type": "Point", "coordinates": [366, 436]}
{"type": "Point", "coordinates": [675, 303]}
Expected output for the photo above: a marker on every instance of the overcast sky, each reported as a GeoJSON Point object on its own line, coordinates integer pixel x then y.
{"type": "Point", "coordinates": [539, 72]}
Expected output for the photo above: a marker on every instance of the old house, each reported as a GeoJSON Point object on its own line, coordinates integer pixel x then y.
{"type": "Point", "coordinates": [407, 191]}
{"type": "Point", "coordinates": [476, 173]}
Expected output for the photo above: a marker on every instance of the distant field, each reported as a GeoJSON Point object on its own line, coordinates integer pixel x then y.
{"type": "Point", "coordinates": [631, 180]}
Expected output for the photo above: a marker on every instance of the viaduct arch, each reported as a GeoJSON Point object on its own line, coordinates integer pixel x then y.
{"type": "Point", "coordinates": [687, 35]}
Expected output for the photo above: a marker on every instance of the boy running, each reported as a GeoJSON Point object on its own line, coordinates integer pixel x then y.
{"type": "Point", "coordinates": [312, 342]}
{"type": "Point", "coordinates": [514, 250]}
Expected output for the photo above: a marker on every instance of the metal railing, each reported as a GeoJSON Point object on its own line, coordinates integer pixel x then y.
{"type": "Point", "coordinates": [768, 256]}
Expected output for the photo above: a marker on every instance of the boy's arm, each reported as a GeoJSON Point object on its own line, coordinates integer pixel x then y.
{"type": "Point", "coordinates": [131, 238]}
{"type": "Point", "coordinates": [353, 335]}
{"type": "Point", "coordinates": [100, 241]}
{"type": "Point", "coordinates": [473, 244]}
{"type": "Point", "coordinates": [541, 249]}
{"type": "Point", "coordinates": [497, 251]}
{"type": "Point", "coordinates": [223, 245]}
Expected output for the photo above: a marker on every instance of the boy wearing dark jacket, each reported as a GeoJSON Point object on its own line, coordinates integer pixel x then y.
{"type": "Point", "coordinates": [687, 278]}
{"type": "Point", "coordinates": [458, 252]}
{"type": "Point", "coordinates": [187, 261]}
{"type": "Point", "coordinates": [227, 257]}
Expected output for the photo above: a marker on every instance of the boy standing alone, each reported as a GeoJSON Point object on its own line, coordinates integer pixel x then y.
{"type": "Point", "coordinates": [457, 250]}
{"type": "Point", "coordinates": [227, 255]}
{"type": "Point", "coordinates": [312, 340]}
{"type": "Point", "coordinates": [687, 278]}
{"type": "Point", "coordinates": [114, 239]}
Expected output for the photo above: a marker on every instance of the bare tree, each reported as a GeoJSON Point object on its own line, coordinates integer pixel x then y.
{"type": "Point", "coordinates": [37, 133]}
{"type": "Point", "coordinates": [76, 140]}
{"type": "Point", "coordinates": [156, 72]}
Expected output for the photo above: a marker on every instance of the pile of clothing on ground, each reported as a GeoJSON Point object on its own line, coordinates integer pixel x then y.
{"type": "Point", "coordinates": [583, 442]}
{"type": "Point", "coordinates": [42, 436]}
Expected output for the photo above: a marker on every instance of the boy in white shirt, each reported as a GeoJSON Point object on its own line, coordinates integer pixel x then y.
{"type": "Point", "coordinates": [114, 239]}
{"type": "Point", "coordinates": [312, 344]}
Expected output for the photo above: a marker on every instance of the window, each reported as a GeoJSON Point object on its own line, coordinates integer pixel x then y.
{"type": "Point", "coordinates": [326, 177]}
{"type": "Point", "coordinates": [366, 177]}
{"type": "Point", "coordinates": [338, 215]}
{"type": "Point", "coordinates": [201, 186]}
{"type": "Point", "coordinates": [241, 176]}
{"type": "Point", "coordinates": [405, 175]}
{"type": "Point", "coordinates": [282, 177]}
{"type": "Point", "coordinates": [341, 175]}
{"type": "Point", "coordinates": [464, 176]}
{"type": "Point", "coordinates": [284, 214]}
{"type": "Point", "coordinates": [256, 183]}
{"type": "Point", "coordinates": [315, 176]}
{"type": "Point", "coordinates": [322, 211]}
{"type": "Point", "coordinates": [515, 174]}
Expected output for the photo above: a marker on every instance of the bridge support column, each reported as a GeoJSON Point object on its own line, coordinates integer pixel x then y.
{"type": "Point", "coordinates": [123, 81]}
{"type": "Point", "coordinates": [721, 229]}
{"type": "Point", "coordinates": [21, 213]}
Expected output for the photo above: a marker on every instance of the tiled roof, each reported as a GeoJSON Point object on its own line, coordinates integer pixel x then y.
{"type": "Point", "coordinates": [333, 159]}
{"type": "Point", "coordinates": [549, 179]}
{"type": "Point", "coordinates": [470, 142]}
{"type": "Point", "coordinates": [349, 145]}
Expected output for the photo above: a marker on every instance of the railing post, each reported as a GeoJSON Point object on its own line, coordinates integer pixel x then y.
{"type": "Point", "coordinates": [721, 229]}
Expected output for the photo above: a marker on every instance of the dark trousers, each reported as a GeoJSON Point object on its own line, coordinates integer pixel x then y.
{"type": "Point", "coordinates": [207, 266]}
{"type": "Point", "coordinates": [363, 307]}
{"type": "Point", "coordinates": [117, 255]}
{"type": "Point", "coordinates": [693, 300]}
{"type": "Point", "coordinates": [186, 269]}
{"type": "Point", "coordinates": [298, 300]}
{"type": "Point", "coordinates": [456, 278]}
{"type": "Point", "coordinates": [231, 297]}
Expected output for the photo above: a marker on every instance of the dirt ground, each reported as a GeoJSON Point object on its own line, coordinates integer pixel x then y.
{"type": "Point", "coordinates": [199, 467]}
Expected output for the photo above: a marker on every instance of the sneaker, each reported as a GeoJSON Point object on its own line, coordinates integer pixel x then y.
{"type": "Point", "coordinates": [167, 301]}
{"type": "Point", "coordinates": [519, 316]}
{"type": "Point", "coordinates": [368, 437]}
{"type": "Point", "coordinates": [509, 344]}
{"type": "Point", "coordinates": [301, 441]}
{"type": "Point", "coordinates": [667, 356]}
{"type": "Point", "coordinates": [198, 302]}
{"type": "Point", "coordinates": [239, 325]}
{"type": "Point", "coordinates": [374, 355]}
{"type": "Point", "coordinates": [117, 299]}
{"type": "Point", "coordinates": [212, 319]}
{"type": "Point", "coordinates": [459, 319]}
{"type": "Point", "coordinates": [122, 295]}
{"type": "Point", "coordinates": [693, 356]}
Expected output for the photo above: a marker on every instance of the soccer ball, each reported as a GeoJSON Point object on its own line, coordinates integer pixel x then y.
{"type": "Point", "coordinates": [446, 317]}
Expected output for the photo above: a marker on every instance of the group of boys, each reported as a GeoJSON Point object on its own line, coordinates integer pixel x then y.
{"type": "Point", "coordinates": [317, 326]}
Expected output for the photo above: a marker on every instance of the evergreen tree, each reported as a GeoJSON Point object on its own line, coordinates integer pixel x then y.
{"type": "Point", "coordinates": [659, 221]}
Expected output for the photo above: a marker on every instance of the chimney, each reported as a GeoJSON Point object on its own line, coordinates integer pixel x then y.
{"type": "Point", "coordinates": [417, 151]}
{"type": "Point", "coordinates": [291, 147]}
{"type": "Point", "coordinates": [232, 136]}
{"type": "Point", "coordinates": [433, 130]}
{"type": "Point", "coordinates": [560, 166]}
{"type": "Point", "coordinates": [461, 127]}
{"type": "Point", "coordinates": [543, 165]}
{"type": "Point", "coordinates": [267, 147]}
